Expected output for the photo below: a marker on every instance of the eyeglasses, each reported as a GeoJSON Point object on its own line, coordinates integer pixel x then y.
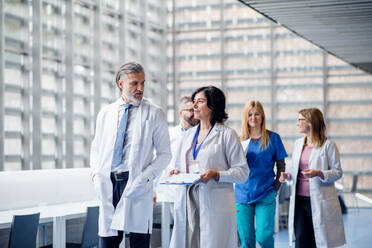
{"type": "Point", "coordinates": [301, 119]}
{"type": "Point", "coordinates": [188, 110]}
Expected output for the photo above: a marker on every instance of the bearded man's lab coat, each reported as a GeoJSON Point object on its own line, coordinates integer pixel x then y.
{"type": "Point", "coordinates": [134, 211]}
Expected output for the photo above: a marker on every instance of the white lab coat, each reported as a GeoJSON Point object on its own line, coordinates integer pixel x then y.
{"type": "Point", "coordinates": [169, 192]}
{"type": "Point", "coordinates": [134, 211]}
{"type": "Point", "coordinates": [176, 135]}
{"type": "Point", "coordinates": [223, 152]}
{"type": "Point", "coordinates": [325, 206]}
{"type": "Point", "coordinates": [245, 145]}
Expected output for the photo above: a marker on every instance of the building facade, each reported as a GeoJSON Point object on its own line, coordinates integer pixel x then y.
{"type": "Point", "coordinates": [227, 44]}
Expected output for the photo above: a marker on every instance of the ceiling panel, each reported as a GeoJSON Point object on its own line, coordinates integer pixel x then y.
{"type": "Point", "coordinates": [341, 27]}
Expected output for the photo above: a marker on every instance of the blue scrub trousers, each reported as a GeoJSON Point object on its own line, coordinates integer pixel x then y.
{"type": "Point", "coordinates": [264, 210]}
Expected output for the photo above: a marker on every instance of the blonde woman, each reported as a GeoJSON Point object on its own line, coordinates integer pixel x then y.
{"type": "Point", "coordinates": [256, 196]}
{"type": "Point", "coordinates": [314, 210]}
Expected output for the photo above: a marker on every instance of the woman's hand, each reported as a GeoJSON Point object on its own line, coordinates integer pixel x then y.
{"type": "Point", "coordinates": [174, 172]}
{"type": "Point", "coordinates": [284, 176]}
{"type": "Point", "coordinates": [210, 174]}
{"type": "Point", "coordinates": [309, 173]}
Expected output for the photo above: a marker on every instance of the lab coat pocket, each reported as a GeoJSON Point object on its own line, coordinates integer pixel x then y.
{"type": "Point", "coordinates": [218, 156]}
{"type": "Point", "coordinates": [139, 210]}
{"type": "Point", "coordinates": [222, 199]}
{"type": "Point", "coordinates": [138, 187]}
{"type": "Point", "coordinates": [217, 148]}
{"type": "Point", "coordinates": [331, 214]}
{"type": "Point", "coordinates": [331, 209]}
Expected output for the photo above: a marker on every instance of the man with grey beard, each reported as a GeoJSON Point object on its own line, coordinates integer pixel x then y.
{"type": "Point", "coordinates": [129, 151]}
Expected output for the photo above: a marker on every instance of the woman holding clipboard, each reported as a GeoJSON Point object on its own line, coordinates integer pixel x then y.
{"type": "Point", "coordinates": [205, 212]}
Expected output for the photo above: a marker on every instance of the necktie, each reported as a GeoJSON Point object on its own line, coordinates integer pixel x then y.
{"type": "Point", "coordinates": [119, 143]}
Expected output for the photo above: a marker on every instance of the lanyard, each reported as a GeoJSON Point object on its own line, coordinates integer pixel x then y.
{"type": "Point", "coordinates": [196, 151]}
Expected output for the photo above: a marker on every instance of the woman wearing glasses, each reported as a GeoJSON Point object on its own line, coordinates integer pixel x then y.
{"type": "Point", "coordinates": [205, 214]}
{"type": "Point", "coordinates": [315, 218]}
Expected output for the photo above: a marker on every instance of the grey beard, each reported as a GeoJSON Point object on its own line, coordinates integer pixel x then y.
{"type": "Point", "coordinates": [190, 122]}
{"type": "Point", "coordinates": [134, 101]}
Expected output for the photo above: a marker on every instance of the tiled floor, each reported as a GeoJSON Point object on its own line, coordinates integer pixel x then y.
{"type": "Point", "coordinates": [358, 229]}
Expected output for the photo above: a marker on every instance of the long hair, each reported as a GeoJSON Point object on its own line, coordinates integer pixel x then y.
{"type": "Point", "coordinates": [246, 132]}
{"type": "Point", "coordinates": [317, 127]}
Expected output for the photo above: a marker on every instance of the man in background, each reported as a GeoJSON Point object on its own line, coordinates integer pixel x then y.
{"type": "Point", "coordinates": [187, 120]}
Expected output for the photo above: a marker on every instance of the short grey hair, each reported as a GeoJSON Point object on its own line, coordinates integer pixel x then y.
{"type": "Point", "coordinates": [128, 68]}
{"type": "Point", "coordinates": [183, 100]}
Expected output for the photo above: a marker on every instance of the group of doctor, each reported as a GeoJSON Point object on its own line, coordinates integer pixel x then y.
{"type": "Point", "coordinates": [131, 148]}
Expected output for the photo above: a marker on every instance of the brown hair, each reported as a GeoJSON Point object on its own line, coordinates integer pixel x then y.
{"type": "Point", "coordinates": [245, 127]}
{"type": "Point", "coordinates": [183, 101]}
{"type": "Point", "coordinates": [317, 125]}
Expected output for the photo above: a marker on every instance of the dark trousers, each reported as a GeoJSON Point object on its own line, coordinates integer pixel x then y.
{"type": "Point", "coordinates": [303, 223]}
{"type": "Point", "coordinates": [136, 240]}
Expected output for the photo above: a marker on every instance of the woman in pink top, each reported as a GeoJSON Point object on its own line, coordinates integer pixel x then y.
{"type": "Point", "coordinates": [315, 218]}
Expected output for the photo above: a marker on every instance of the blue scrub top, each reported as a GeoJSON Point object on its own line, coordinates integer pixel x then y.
{"type": "Point", "coordinates": [261, 162]}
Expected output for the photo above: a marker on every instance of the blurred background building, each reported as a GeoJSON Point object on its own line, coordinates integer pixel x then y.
{"type": "Point", "coordinates": [59, 60]}
{"type": "Point", "coordinates": [229, 45]}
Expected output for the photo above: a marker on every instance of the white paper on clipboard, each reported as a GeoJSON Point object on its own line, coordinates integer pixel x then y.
{"type": "Point", "coordinates": [181, 179]}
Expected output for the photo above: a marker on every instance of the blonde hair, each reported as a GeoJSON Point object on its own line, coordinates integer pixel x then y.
{"type": "Point", "coordinates": [317, 127]}
{"type": "Point", "coordinates": [245, 134]}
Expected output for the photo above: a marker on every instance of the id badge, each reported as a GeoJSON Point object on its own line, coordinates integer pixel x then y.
{"type": "Point", "coordinates": [194, 168]}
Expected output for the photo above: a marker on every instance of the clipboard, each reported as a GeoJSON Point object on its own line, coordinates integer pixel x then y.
{"type": "Point", "coordinates": [181, 179]}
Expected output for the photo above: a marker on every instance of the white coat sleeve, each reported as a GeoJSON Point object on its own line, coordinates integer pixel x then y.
{"type": "Point", "coordinates": [292, 167]}
{"type": "Point", "coordinates": [94, 150]}
{"type": "Point", "coordinates": [334, 171]}
{"type": "Point", "coordinates": [176, 159]}
{"type": "Point", "coordinates": [238, 170]}
{"type": "Point", "coordinates": [289, 169]}
{"type": "Point", "coordinates": [160, 138]}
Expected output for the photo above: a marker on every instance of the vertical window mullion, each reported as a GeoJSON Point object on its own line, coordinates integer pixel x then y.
{"type": "Point", "coordinates": [36, 84]}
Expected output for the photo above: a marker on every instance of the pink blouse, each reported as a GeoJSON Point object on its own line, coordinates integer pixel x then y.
{"type": "Point", "coordinates": [303, 187]}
